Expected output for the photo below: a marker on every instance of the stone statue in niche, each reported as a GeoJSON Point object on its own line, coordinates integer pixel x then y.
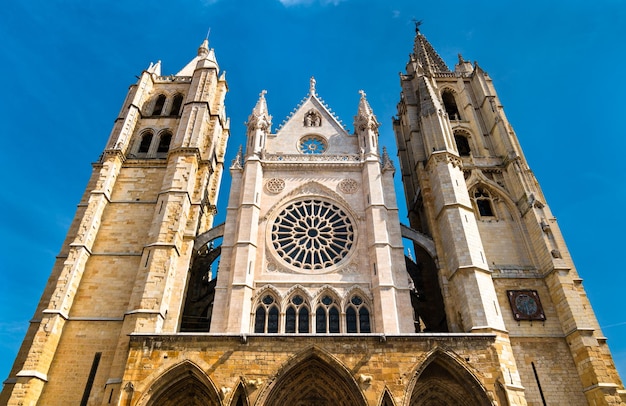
{"type": "Point", "coordinates": [312, 119]}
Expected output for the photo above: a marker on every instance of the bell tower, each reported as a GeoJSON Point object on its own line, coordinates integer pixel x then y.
{"type": "Point", "coordinates": [123, 266]}
{"type": "Point", "coordinates": [502, 264]}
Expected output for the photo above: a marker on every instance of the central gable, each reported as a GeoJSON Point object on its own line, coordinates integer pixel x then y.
{"type": "Point", "coordinates": [312, 129]}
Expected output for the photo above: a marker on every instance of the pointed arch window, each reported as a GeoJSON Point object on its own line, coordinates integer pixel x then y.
{"type": "Point", "coordinates": [483, 202]}
{"type": "Point", "coordinates": [178, 101]}
{"type": "Point", "coordinates": [462, 144]}
{"type": "Point", "coordinates": [266, 316]}
{"type": "Point", "coordinates": [146, 141]}
{"type": "Point", "coordinates": [357, 316]}
{"type": "Point", "coordinates": [449, 103]}
{"type": "Point", "coordinates": [164, 142]}
{"type": "Point", "coordinates": [297, 316]}
{"type": "Point", "coordinates": [327, 316]}
{"type": "Point", "coordinates": [158, 105]}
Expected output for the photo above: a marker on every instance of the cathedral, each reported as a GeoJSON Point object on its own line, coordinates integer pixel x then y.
{"type": "Point", "coordinates": [305, 295]}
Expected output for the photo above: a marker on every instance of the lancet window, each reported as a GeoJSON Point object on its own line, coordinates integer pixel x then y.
{"type": "Point", "coordinates": [462, 144]}
{"type": "Point", "coordinates": [164, 142]}
{"type": "Point", "coordinates": [178, 101]}
{"type": "Point", "coordinates": [449, 103]}
{"type": "Point", "coordinates": [266, 315]}
{"type": "Point", "coordinates": [357, 316]}
{"type": "Point", "coordinates": [327, 316]}
{"type": "Point", "coordinates": [483, 202]}
{"type": "Point", "coordinates": [144, 145]}
{"type": "Point", "coordinates": [297, 315]}
{"type": "Point", "coordinates": [158, 105]}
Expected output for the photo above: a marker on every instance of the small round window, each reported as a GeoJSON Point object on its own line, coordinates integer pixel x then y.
{"type": "Point", "coordinates": [312, 144]}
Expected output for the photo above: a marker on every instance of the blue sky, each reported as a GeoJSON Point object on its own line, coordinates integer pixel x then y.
{"type": "Point", "coordinates": [66, 67]}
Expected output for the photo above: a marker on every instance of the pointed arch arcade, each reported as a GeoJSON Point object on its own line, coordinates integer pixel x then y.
{"type": "Point", "coordinates": [313, 378]}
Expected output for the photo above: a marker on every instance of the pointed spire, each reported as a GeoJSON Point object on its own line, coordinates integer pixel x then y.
{"type": "Point", "coordinates": [237, 162]}
{"type": "Point", "coordinates": [364, 106]}
{"type": "Point", "coordinates": [365, 115]}
{"type": "Point", "coordinates": [204, 59]}
{"type": "Point", "coordinates": [426, 55]}
{"type": "Point", "coordinates": [203, 50]}
{"type": "Point", "coordinates": [387, 163]}
{"type": "Point", "coordinates": [155, 68]}
{"type": "Point", "coordinates": [259, 118]}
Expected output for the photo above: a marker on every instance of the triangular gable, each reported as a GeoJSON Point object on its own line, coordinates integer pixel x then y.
{"type": "Point", "coordinates": [312, 117]}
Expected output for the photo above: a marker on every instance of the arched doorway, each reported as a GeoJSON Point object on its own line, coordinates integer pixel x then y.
{"type": "Point", "coordinates": [443, 381]}
{"type": "Point", "coordinates": [313, 380]}
{"type": "Point", "coordinates": [184, 385]}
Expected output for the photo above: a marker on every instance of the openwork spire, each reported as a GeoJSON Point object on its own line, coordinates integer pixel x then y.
{"type": "Point", "coordinates": [426, 55]}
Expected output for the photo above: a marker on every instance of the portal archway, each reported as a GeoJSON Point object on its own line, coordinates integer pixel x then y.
{"type": "Point", "coordinates": [442, 381]}
{"type": "Point", "coordinates": [186, 385]}
{"type": "Point", "coordinates": [314, 379]}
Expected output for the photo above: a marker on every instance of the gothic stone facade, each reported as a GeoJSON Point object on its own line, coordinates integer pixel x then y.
{"type": "Point", "coordinates": [313, 301]}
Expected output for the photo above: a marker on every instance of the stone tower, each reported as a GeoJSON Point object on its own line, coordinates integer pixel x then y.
{"type": "Point", "coordinates": [123, 266]}
{"type": "Point", "coordinates": [501, 262]}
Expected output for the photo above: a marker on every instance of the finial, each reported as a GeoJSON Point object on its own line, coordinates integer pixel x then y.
{"type": "Point", "coordinates": [362, 93]}
{"type": "Point", "coordinates": [417, 24]}
{"type": "Point", "coordinates": [237, 163]}
{"type": "Point", "coordinates": [312, 85]}
{"type": "Point", "coordinates": [460, 59]}
{"type": "Point", "coordinates": [263, 93]}
{"type": "Point", "coordinates": [208, 33]}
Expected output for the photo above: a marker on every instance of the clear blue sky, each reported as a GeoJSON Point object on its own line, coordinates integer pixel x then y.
{"type": "Point", "coordinates": [66, 67]}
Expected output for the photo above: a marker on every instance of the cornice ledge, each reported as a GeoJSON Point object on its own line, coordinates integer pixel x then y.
{"type": "Point", "coordinates": [26, 373]}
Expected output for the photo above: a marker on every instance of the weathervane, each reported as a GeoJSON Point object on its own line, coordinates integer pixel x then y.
{"type": "Point", "coordinates": [417, 24]}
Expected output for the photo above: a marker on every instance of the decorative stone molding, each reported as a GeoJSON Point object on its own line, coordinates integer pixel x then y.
{"type": "Point", "coordinates": [348, 186]}
{"type": "Point", "coordinates": [438, 157]}
{"type": "Point", "coordinates": [274, 185]}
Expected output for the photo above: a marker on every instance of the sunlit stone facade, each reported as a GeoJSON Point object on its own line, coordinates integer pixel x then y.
{"type": "Point", "coordinates": [309, 299]}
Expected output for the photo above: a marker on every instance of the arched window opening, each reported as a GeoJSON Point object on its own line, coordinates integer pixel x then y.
{"type": "Point", "coordinates": [178, 101]}
{"type": "Point", "coordinates": [327, 318]}
{"type": "Point", "coordinates": [144, 146]}
{"type": "Point", "coordinates": [450, 105]}
{"type": "Point", "coordinates": [158, 105]}
{"type": "Point", "coordinates": [462, 144]}
{"type": "Point", "coordinates": [351, 326]}
{"type": "Point", "coordinates": [164, 142]}
{"type": "Point", "coordinates": [357, 316]}
{"type": "Point", "coordinates": [266, 316]}
{"type": "Point", "coordinates": [483, 203]}
{"type": "Point", "coordinates": [297, 316]}
{"type": "Point", "coordinates": [272, 320]}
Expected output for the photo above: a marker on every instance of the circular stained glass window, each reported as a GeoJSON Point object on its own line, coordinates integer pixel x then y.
{"type": "Point", "coordinates": [312, 234]}
{"type": "Point", "coordinates": [312, 144]}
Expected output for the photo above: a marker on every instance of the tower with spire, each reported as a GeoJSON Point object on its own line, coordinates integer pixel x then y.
{"type": "Point", "coordinates": [123, 266]}
{"type": "Point", "coordinates": [501, 265]}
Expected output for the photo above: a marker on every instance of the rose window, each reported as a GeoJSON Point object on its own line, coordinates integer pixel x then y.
{"type": "Point", "coordinates": [312, 234]}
